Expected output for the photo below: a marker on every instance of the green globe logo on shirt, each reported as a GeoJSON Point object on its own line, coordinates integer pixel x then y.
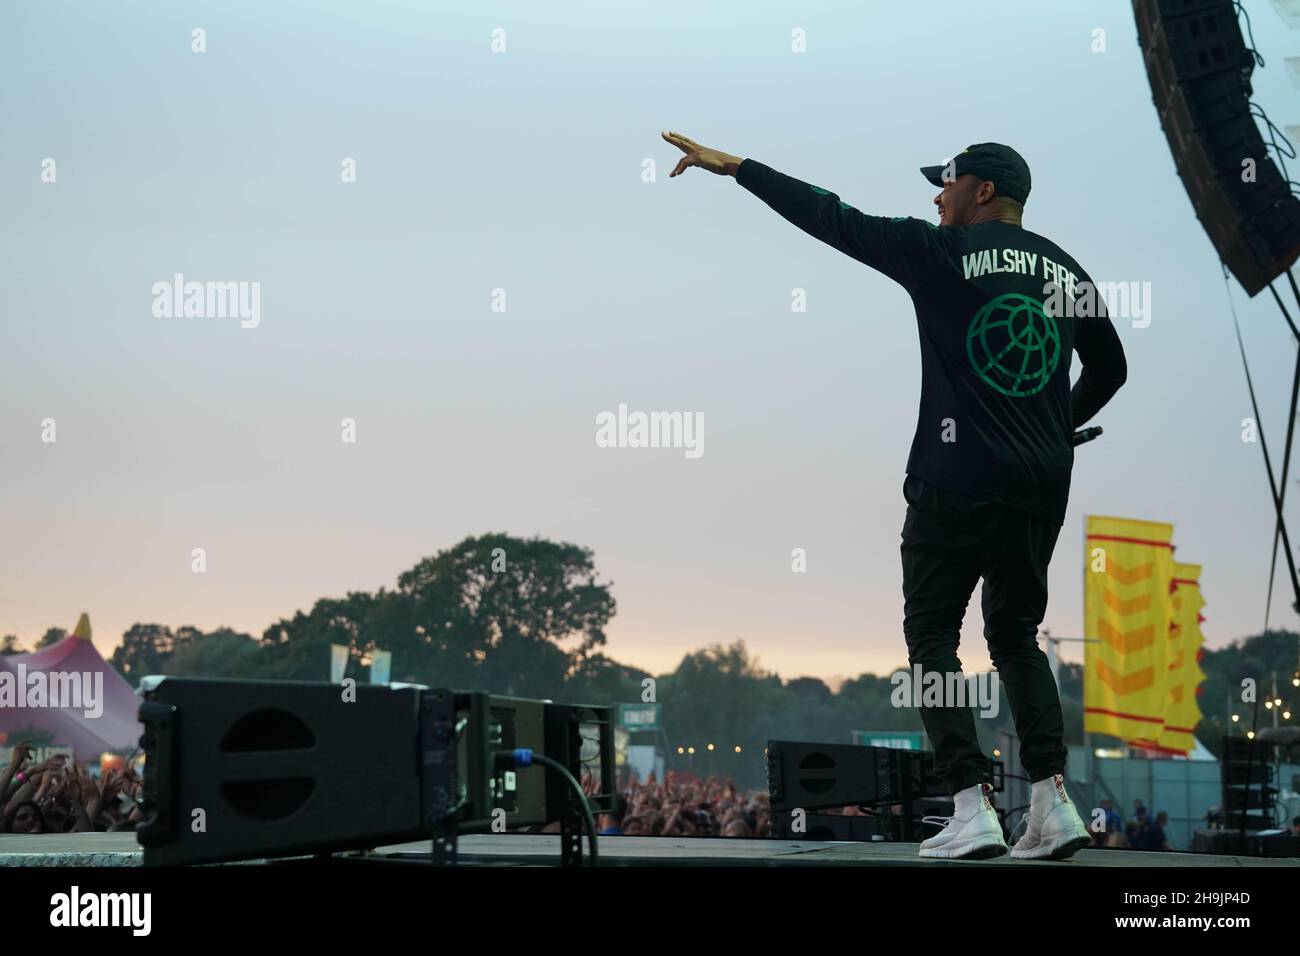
{"type": "Point", "coordinates": [1013, 345]}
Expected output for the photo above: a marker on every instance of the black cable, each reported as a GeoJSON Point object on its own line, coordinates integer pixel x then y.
{"type": "Point", "coordinates": [1263, 443]}
{"type": "Point", "coordinates": [1286, 466]}
{"type": "Point", "coordinates": [1250, 32]}
{"type": "Point", "coordinates": [1285, 148]}
{"type": "Point", "coordinates": [1273, 134]}
{"type": "Point", "coordinates": [559, 768]}
{"type": "Point", "coordinates": [1280, 304]}
{"type": "Point", "coordinates": [1272, 565]}
{"type": "Point", "coordinates": [1258, 111]}
{"type": "Point", "coordinates": [1295, 290]}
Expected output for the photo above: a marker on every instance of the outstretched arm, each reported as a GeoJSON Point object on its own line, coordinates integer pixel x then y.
{"type": "Point", "coordinates": [899, 247]}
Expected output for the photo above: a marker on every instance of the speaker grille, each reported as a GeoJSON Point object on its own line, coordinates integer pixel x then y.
{"type": "Point", "coordinates": [1199, 70]}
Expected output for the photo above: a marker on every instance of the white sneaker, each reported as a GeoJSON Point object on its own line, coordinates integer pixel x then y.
{"type": "Point", "coordinates": [972, 832]}
{"type": "Point", "coordinates": [1054, 830]}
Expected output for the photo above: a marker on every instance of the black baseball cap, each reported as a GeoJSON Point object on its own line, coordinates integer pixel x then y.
{"type": "Point", "coordinates": [1000, 165]}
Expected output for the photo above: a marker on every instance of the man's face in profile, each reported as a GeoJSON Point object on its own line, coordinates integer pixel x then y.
{"type": "Point", "coordinates": [957, 201]}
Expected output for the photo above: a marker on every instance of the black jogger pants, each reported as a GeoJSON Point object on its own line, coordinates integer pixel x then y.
{"type": "Point", "coordinates": [949, 542]}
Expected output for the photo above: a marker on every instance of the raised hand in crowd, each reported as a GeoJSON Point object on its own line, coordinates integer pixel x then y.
{"type": "Point", "coordinates": [61, 795]}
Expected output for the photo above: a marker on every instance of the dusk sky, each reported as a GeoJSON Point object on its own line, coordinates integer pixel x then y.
{"type": "Point", "coordinates": [524, 170]}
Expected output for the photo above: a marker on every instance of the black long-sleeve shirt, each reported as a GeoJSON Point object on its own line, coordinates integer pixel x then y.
{"type": "Point", "coordinates": [1000, 310]}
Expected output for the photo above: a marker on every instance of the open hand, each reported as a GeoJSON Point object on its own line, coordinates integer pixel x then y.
{"type": "Point", "coordinates": [714, 160]}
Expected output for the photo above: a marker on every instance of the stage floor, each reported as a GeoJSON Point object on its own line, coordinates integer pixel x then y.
{"type": "Point", "coordinates": [120, 849]}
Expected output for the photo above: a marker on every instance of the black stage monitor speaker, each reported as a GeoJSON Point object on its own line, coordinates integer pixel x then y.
{"type": "Point", "coordinates": [813, 776]}
{"type": "Point", "coordinates": [235, 769]}
{"type": "Point", "coordinates": [238, 769]}
{"type": "Point", "coordinates": [1199, 69]}
{"type": "Point", "coordinates": [805, 777]}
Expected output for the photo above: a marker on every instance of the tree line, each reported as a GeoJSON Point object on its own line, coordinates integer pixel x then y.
{"type": "Point", "coordinates": [527, 618]}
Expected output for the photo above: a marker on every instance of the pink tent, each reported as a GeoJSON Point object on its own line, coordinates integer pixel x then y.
{"type": "Point", "coordinates": [115, 727]}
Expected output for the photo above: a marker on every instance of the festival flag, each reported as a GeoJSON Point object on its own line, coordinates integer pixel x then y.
{"type": "Point", "coordinates": [338, 662]}
{"type": "Point", "coordinates": [381, 664]}
{"type": "Point", "coordinates": [1127, 610]}
{"type": "Point", "coordinates": [1185, 674]}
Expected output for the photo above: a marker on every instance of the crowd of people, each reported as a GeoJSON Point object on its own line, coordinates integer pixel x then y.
{"type": "Point", "coordinates": [62, 795]}
{"type": "Point", "coordinates": [1141, 831]}
{"type": "Point", "coordinates": [688, 806]}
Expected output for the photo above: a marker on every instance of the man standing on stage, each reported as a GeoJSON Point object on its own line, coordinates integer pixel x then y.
{"type": "Point", "coordinates": [999, 310]}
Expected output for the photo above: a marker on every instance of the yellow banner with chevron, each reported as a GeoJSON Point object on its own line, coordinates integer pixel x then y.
{"type": "Point", "coordinates": [1185, 674]}
{"type": "Point", "coordinates": [1128, 567]}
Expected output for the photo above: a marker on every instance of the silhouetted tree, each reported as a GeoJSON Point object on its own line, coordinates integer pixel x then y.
{"type": "Point", "coordinates": [513, 615]}
{"type": "Point", "coordinates": [223, 653]}
{"type": "Point", "coordinates": [297, 648]}
{"type": "Point", "coordinates": [145, 650]}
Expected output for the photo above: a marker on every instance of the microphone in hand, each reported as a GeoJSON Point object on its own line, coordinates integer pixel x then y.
{"type": "Point", "coordinates": [1085, 434]}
